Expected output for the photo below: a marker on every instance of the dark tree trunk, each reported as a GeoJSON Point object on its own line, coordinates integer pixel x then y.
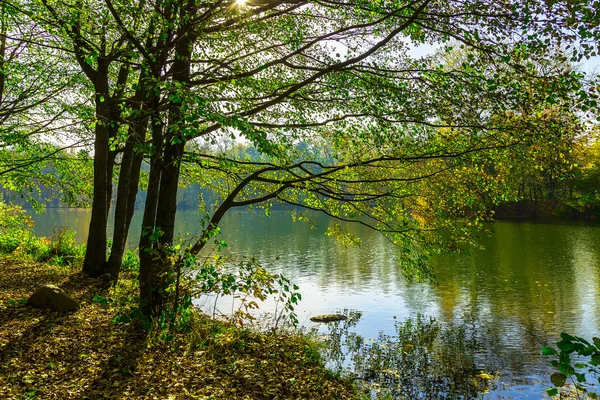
{"type": "Point", "coordinates": [167, 200]}
{"type": "Point", "coordinates": [2, 54]}
{"type": "Point", "coordinates": [94, 263]}
{"type": "Point", "coordinates": [149, 273]}
{"type": "Point", "coordinates": [127, 190]}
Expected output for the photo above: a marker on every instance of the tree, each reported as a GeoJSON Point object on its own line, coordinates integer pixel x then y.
{"type": "Point", "coordinates": [585, 198]}
{"type": "Point", "coordinates": [338, 74]}
{"type": "Point", "coordinates": [279, 80]}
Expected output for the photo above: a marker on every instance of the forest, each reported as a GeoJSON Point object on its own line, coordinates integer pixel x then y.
{"type": "Point", "coordinates": [426, 123]}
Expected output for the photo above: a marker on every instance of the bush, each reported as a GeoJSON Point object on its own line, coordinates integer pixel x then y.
{"type": "Point", "coordinates": [14, 228]}
{"type": "Point", "coordinates": [62, 249]}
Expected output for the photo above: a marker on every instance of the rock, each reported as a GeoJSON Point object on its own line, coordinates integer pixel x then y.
{"type": "Point", "coordinates": [53, 298]}
{"type": "Point", "coordinates": [328, 318]}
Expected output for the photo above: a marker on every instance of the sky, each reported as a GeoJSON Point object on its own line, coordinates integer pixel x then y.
{"type": "Point", "coordinates": [592, 65]}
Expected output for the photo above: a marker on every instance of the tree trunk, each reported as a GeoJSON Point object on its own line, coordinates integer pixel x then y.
{"type": "Point", "coordinates": [94, 263]}
{"type": "Point", "coordinates": [127, 192]}
{"type": "Point", "coordinates": [2, 52]}
{"type": "Point", "coordinates": [149, 273]}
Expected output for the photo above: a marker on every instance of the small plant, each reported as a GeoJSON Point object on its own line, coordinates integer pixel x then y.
{"type": "Point", "coordinates": [247, 282]}
{"type": "Point", "coordinates": [576, 360]}
{"type": "Point", "coordinates": [130, 314]}
{"type": "Point", "coordinates": [62, 243]}
{"type": "Point", "coordinates": [103, 301]}
{"type": "Point", "coordinates": [31, 394]}
{"type": "Point", "coordinates": [16, 303]}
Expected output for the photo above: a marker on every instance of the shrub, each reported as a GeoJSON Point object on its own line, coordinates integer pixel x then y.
{"type": "Point", "coordinates": [62, 249]}
{"type": "Point", "coordinates": [14, 227]}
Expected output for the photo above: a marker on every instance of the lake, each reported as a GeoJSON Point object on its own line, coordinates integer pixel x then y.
{"type": "Point", "coordinates": [532, 282]}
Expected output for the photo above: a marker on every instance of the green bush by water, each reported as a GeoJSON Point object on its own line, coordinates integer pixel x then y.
{"type": "Point", "coordinates": [18, 239]}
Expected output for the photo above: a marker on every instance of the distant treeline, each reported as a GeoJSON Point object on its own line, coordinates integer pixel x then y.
{"type": "Point", "coordinates": [559, 180]}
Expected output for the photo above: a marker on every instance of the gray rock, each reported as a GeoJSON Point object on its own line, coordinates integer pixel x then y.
{"type": "Point", "coordinates": [329, 318]}
{"type": "Point", "coordinates": [53, 298]}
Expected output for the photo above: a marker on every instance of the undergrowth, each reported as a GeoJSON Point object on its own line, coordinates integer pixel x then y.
{"type": "Point", "coordinates": [17, 239]}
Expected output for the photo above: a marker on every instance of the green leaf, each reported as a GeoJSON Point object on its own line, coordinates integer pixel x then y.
{"type": "Point", "coordinates": [558, 379]}
{"type": "Point", "coordinates": [100, 300]}
{"type": "Point", "coordinates": [548, 351]}
{"type": "Point", "coordinates": [567, 338]}
{"type": "Point", "coordinates": [587, 351]}
{"type": "Point", "coordinates": [566, 347]}
{"type": "Point", "coordinates": [552, 392]}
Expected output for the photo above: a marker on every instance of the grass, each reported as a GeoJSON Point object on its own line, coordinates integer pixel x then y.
{"type": "Point", "coordinates": [86, 355]}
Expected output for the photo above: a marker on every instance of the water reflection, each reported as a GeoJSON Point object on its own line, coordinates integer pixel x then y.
{"type": "Point", "coordinates": [532, 282]}
{"type": "Point", "coordinates": [420, 359]}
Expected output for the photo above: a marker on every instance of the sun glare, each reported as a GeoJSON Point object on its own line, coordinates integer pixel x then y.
{"type": "Point", "coordinates": [240, 2]}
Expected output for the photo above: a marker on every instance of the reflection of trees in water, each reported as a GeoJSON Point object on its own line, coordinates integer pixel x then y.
{"type": "Point", "coordinates": [422, 360]}
{"type": "Point", "coordinates": [531, 283]}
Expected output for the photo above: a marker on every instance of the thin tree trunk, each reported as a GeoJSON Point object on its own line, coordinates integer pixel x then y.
{"type": "Point", "coordinates": [121, 224]}
{"type": "Point", "coordinates": [2, 54]}
{"type": "Point", "coordinates": [149, 273]}
{"type": "Point", "coordinates": [127, 193]}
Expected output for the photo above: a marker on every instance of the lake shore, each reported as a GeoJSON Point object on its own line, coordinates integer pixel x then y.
{"type": "Point", "coordinates": [85, 354]}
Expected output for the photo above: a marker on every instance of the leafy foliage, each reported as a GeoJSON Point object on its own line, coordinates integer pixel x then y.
{"type": "Point", "coordinates": [576, 360]}
{"type": "Point", "coordinates": [244, 282]}
{"type": "Point", "coordinates": [247, 284]}
{"type": "Point", "coordinates": [41, 109]}
{"type": "Point", "coordinates": [17, 239]}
